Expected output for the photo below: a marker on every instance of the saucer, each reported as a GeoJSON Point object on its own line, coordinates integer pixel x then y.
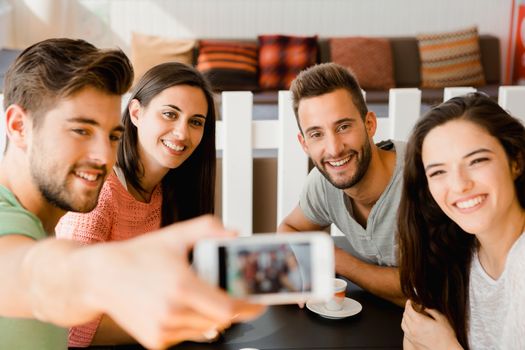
{"type": "Point", "coordinates": [350, 307]}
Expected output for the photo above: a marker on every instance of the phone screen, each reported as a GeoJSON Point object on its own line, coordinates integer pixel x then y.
{"type": "Point", "coordinates": [267, 268]}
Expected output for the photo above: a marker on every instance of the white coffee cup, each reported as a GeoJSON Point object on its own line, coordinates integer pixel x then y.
{"type": "Point", "coordinates": [337, 300]}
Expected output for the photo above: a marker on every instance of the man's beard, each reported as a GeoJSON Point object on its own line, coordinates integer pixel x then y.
{"type": "Point", "coordinates": [55, 192]}
{"type": "Point", "coordinates": [362, 163]}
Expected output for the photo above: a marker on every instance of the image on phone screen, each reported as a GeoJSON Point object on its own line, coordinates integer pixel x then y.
{"type": "Point", "coordinates": [263, 269]}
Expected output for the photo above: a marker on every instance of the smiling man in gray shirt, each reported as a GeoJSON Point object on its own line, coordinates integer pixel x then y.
{"type": "Point", "coordinates": [355, 184]}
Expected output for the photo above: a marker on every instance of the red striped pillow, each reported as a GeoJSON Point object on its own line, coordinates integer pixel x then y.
{"type": "Point", "coordinates": [282, 57]}
{"type": "Point", "coordinates": [229, 65]}
{"type": "Point", "coordinates": [451, 59]}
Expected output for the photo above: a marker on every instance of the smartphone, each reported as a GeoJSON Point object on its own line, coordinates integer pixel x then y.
{"type": "Point", "coordinates": [270, 268]}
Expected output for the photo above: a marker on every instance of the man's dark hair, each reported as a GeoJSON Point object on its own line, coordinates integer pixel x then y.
{"type": "Point", "coordinates": [325, 78]}
{"type": "Point", "coordinates": [57, 68]}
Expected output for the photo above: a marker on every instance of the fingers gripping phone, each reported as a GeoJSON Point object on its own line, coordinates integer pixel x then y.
{"type": "Point", "coordinates": [270, 268]}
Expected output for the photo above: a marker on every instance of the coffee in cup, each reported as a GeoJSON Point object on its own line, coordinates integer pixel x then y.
{"type": "Point", "coordinates": [337, 300]}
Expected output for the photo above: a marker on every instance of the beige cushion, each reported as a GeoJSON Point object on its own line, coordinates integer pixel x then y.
{"type": "Point", "coordinates": [451, 59]}
{"type": "Point", "coordinates": [149, 50]}
{"type": "Point", "coordinates": [369, 59]}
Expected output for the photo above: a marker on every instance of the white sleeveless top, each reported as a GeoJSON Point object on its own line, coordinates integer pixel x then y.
{"type": "Point", "coordinates": [497, 307]}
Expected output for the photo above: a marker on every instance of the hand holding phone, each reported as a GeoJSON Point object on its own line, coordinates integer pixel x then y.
{"type": "Point", "coordinates": [270, 268]}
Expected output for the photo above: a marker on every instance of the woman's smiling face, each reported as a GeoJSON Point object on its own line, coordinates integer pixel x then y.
{"type": "Point", "coordinates": [469, 175]}
{"type": "Point", "coordinates": [171, 126]}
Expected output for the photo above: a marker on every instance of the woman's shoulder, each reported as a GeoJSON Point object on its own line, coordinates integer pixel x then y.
{"type": "Point", "coordinates": [113, 189]}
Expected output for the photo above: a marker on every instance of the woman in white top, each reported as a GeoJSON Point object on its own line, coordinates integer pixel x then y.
{"type": "Point", "coordinates": [462, 252]}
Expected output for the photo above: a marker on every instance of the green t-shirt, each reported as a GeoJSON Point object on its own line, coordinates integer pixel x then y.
{"type": "Point", "coordinates": [17, 333]}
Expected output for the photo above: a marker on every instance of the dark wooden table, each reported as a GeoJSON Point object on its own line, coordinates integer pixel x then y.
{"type": "Point", "coordinates": [377, 326]}
{"type": "Point", "coordinates": [288, 327]}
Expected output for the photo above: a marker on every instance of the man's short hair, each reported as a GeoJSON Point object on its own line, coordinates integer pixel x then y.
{"type": "Point", "coordinates": [57, 68]}
{"type": "Point", "coordinates": [325, 78]}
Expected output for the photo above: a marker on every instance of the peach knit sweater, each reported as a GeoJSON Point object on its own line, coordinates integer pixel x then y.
{"type": "Point", "coordinates": [118, 216]}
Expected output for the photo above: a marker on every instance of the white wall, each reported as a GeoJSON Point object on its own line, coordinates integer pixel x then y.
{"type": "Point", "coordinates": [5, 24]}
{"type": "Point", "coordinates": [35, 20]}
{"type": "Point", "coordinates": [110, 22]}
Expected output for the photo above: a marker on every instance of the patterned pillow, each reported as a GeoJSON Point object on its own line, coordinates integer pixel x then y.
{"type": "Point", "coordinates": [282, 57]}
{"type": "Point", "coordinates": [369, 59]}
{"type": "Point", "coordinates": [150, 50]}
{"type": "Point", "coordinates": [451, 59]}
{"type": "Point", "coordinates": [229, 65]}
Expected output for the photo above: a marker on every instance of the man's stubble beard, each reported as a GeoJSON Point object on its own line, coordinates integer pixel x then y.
{"type": "Point", "coordinates": [362, 162]}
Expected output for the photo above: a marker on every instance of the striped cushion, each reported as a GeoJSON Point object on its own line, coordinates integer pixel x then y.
{"type": "Point", "coordinates": [282, 57]}
{"type": "Point", "coordinates": [451, 59]}
{"type": "Point", "coordinates": [229, 65]}
{"type": "Point", "coordinates": [369, 59]}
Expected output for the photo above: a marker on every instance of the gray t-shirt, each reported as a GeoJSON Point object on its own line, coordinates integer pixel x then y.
{"type": "Point", "coordinates": [325, 204]}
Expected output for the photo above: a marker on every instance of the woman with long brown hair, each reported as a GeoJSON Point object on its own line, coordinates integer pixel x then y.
{"type": "Point", "coordinates": [460, 228]}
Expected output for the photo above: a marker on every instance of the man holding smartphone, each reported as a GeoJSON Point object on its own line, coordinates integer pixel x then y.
{"type": "Point", "coordinates": [355, 184]}
{"type": "Point", "coordinates": [62, 112]}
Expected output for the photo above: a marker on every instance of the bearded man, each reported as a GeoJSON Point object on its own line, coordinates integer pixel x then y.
{"type": "Point", "coordinates": [355, 184]}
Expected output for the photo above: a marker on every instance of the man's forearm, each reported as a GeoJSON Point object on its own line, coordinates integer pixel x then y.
{"type": "Point", "coordinates": [378, 280]}
{"type": "Point", "coordinates": [62, 282]}
{"type": "Point", "coordinates": [55, 275]}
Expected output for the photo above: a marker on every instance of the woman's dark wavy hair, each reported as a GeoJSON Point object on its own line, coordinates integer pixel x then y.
{"type": "Point", "coordinates": [434, 252]}
{"type": "Point", "coordinates": [188, 190]}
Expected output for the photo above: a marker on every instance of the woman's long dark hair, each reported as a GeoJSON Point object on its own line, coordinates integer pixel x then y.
{"type": "Point", "coordinates": [434, 252]}
{"type": "Point", "coordinates": [188, 190]}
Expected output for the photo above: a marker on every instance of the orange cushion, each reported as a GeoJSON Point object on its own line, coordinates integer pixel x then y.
{"type": "Point", "coordinates": [282, 57]}
{"type": "Point", "coordinates": [369, 59]}
{"type": "Point", "coordinates": [451, 59]}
